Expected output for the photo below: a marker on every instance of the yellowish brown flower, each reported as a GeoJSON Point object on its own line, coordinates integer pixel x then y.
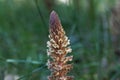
{"type": "Point", "coordinates": [58, 48]}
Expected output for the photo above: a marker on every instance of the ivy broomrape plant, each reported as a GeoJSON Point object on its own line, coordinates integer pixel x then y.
{"type": "Point", "coordinates": [58, 48]}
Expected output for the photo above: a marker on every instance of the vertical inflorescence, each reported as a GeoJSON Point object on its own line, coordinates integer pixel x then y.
{"type": "Point", "coordinates": [58, 48]}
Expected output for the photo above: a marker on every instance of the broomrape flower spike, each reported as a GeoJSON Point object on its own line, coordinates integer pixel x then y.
{"type": "Point", "coordinates": [58, 48]}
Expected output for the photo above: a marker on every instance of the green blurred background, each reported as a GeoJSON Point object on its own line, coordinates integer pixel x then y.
{"type": "Point", "coordinates": [24, 32]}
